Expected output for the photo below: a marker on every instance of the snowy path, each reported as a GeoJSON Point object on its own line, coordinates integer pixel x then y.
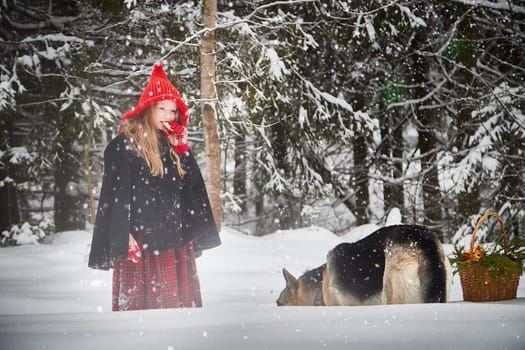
{"type": "Point", "coordinates": [49, 299]}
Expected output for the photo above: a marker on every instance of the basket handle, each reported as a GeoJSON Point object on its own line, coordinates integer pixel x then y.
{"type": "Point", "coordinates": [478, 225]}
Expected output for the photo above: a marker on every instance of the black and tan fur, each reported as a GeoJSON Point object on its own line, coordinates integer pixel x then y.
{"type": "Point", "coordinates": [306, 290]}
{"type": "Point", "coordinates": [399, 264]}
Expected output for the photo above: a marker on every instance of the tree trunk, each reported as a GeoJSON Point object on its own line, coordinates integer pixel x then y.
{"type": "Point", "coordinates": [88, 139]}
{"type": "Point", "coordinates": [239, 175]}
{"type": "Point", "coordinates": [209, 96]}
{"type": "Point", "coordinates": [360, 181]}
{"type": "Point", "coordinates": [431, 191]}
{"type": "Point", "coordinates": [392, 153]}
{"type": "Point", "coordinates": [360, 176]}
{"type": "Point", "coordinates": [469, 202]}
{"type": "Point", "coordinates": [286, 208]}
{"type": "Point", "coordinates": [68, 197]}
{"type": "Point", "coordinates": [420, 72]}
{"type": "Point", "coordinates": [9, 211]}
{"type": "Point", "coordinates": [259, 198]}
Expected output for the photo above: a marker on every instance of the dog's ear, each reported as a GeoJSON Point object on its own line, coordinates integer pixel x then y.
{"type": "Point", "coordinates": [291, 281]}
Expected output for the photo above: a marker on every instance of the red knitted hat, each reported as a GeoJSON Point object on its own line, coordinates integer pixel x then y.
{"type": "Point", "coordinates": [159, 89]}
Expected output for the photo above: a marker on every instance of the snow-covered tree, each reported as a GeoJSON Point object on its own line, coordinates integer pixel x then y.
{"type": "Point", "coordinates": [328, 112]}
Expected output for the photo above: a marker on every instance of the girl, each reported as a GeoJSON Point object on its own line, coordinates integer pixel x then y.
{"type": "Point", "coordinates": [153, 214]}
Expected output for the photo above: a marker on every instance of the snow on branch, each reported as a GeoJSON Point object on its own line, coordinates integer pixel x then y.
{"type": "Point", "coordinates": [415, 21]}
{"type": "Point", "coordinates": [19, 155]}
{"type": "Point", "coordinates": [57, 37]}
{"type": "Point", "coordinates": [277, 67]}
{"type": "Point", "coordinates": [505, 5]}
{"type": "Point", "coordinates": [495, 123]}
{"type": "Point", "coordinates": [319, 97]}
{"type": "Point", "coordinates": [130, 3]}
{"type": "Point", "coordinates": [7, 88]}
{"type": "Point", "coordinates": [58, 22]}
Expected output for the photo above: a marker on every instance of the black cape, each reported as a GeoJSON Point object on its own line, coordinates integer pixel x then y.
{"type": "Point", "coordinates": [167, 211]}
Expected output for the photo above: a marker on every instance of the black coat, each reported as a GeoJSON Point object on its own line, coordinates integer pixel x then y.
{"type": "Point", "coordinates": [167, 211]}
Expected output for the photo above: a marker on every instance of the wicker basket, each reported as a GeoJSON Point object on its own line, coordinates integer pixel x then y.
{"type": "Point", "coordinates": [477, 282]}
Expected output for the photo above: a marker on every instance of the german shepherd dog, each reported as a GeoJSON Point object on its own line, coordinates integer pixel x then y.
{"type": "Point", "coordinates": [400, 264]}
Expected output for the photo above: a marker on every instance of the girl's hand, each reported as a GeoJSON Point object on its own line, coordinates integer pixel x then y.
{"type": "Point", "coordinates": [134, 253]}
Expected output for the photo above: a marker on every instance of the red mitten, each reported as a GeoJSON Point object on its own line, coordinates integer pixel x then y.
{"type": "Point", "coordinates": [134, 253]}
{"type": "Point", "coordinates": [174, 128]}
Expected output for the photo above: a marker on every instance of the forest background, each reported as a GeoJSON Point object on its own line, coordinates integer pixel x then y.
{"type": "Point", "coordinates": [329, 113]}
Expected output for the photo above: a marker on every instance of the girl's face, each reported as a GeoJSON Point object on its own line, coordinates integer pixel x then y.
{"type": "Point", "coordinates": [165, 111]}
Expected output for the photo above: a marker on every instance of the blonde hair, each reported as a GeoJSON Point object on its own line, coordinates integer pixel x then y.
{"type": "Point", "coordinates": [143, 136]}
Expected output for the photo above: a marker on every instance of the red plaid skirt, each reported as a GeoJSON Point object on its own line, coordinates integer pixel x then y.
{"type": "Point", "coordinates": [159, 280]}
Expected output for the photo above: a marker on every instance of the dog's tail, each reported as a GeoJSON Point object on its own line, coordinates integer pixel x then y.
{"type": "Point", "coordinates": [438, 271]}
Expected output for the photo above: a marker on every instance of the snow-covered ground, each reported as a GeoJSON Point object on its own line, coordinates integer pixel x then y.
{"type": "Point", "coordinates": [50, 299]}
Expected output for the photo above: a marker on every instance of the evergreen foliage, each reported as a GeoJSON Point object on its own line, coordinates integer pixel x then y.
{"type": "Point", "coordinates": [330, 112]}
